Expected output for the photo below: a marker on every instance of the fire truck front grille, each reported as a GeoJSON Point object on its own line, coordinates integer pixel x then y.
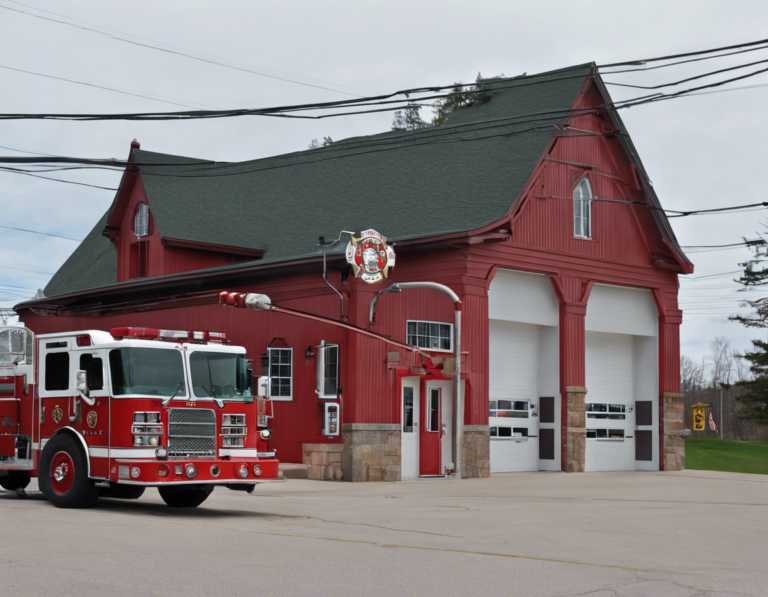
{"type": "Point", "coordinates": [191, 432]}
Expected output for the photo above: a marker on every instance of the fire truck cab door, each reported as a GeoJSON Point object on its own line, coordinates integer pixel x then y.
{"type": "Point", "coordinates": [93, 420]}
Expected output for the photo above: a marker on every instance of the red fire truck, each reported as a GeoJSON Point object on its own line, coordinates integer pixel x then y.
{"type": "Point", "coordinates": [92, 414]}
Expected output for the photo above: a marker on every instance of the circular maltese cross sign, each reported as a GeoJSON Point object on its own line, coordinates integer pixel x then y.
{"type": "Point", "coordinates": [370, 256]}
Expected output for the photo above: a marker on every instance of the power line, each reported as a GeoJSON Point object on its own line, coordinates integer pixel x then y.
{"type": "Point", "coordinates": [26, 270]}
{"type": "Point", "coordinates": [41, 201]}
{"type": "Point", "coordinates": [684, 55]}
{"type": "Point", "coordinates": [158, 48]}
{"type": "Point", "coordinates": [709, 74]}
{"type": "Point", "coordinates": [43, 233]}
{"type": "Point", "coordinates": [709, 276]}
{"type": "Point", "coordinates": [366, 101]}
{"type": "Point", "coordinates": [83, 184]}
{"type": "Point", "coordinates": [29, 72]}
{"type": "Point", "coordinates": [748, 243]}
{"type": "Point", "coordinates": [181, 47]}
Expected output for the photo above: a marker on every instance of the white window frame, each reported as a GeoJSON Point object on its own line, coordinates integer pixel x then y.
{"type": "Point", "coordinates": [439, 392]}
{"type": "Point", "coordinates": [618, 414]}
{"type": "Point", "coordinates": [582, 209]}
{"type": "Point", "coordinates": [270, 350]}
{"type": "Point", "coordinates": [418, 321]}
{"type": "Point", "coordinates": [330, 346]}
{"type": "Point", "coordinates": [608, 431]}
{"type": "Point", "coordinates": [141, 220]}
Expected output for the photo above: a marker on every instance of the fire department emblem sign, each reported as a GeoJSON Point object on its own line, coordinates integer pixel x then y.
{"type": "Point", "coordinates": [92, 419]}
{"type": "Point", "coordinates": [370, 256]}
{"type": "Point", "coordinates": [57, 414]}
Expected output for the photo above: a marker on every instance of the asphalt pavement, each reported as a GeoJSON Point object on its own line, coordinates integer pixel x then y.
{"type": "Point", "coordinates": [550, 534]}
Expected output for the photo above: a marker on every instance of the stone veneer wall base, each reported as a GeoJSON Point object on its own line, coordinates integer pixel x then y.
{"type": "Point", "coordinates": [674, 432]}
{"type": "Point", "coordinates": [576, 429]}
{"type": "Point", "coordinates": [371, 452]}
{"type": "Point", "coordinates": [476, 452]}
{"type": "Point", "coordinates": [323, 461]}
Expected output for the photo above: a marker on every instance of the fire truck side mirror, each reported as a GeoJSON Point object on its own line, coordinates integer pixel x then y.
{"type": "Point", "coordinates": [18, 358]}
{"type": "Point", "coordinates": [81, 379]}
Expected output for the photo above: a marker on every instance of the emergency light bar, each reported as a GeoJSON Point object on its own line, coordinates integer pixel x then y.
{"type": "Point", "coordinates": [171, 335]}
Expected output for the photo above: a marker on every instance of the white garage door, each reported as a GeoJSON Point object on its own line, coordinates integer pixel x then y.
{"type": "Point", "coordinates": [513, 394]}
{"type": "Point", "coordinates": [610, 420]}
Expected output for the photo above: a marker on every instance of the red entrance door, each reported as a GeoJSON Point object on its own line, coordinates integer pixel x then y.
{"type": "Point", "coordinates": [431, 432]}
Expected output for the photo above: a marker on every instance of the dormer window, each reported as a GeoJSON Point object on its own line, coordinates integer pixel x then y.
{"type": "Point", "coordinates": [582, 209]}
{"type": "Point", "coordinates": [141, 220]}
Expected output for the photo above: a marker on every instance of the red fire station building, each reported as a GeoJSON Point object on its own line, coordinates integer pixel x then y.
{"type": "Point", "coordinates": [532, 205]}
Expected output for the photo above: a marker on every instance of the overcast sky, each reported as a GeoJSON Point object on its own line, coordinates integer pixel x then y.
{"type": "Point", "coordinates": [701, 152]}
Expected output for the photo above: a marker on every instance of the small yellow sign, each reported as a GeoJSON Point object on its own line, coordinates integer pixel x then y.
{"type": "Point", "coordinates": [699, 416]}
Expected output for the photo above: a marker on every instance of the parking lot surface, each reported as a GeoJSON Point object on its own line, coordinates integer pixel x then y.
{"type": "Point", "coordinates": [597, 534]}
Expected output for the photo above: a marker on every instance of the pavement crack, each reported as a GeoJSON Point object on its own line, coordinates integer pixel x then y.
{"type": "Point", "coordinates": [375, 526]}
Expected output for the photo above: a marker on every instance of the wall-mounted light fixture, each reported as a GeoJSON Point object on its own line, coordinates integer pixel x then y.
{"type": "Point", "coordinates": [309, 352]}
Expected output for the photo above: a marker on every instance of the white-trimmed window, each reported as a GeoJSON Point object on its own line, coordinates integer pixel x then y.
{"type": "Point", "coordinates": [328, 370]}
{"type": "Point", "coordinates": [280, 373]}
{"type": "Point", "coordinates": [582, 209]}
{"type": "Point", "coordinates": [432, 335]}
{"type": "Point", "coordinates": [141, 220]}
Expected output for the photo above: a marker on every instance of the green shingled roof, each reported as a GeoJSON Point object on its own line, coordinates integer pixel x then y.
{"type": "Point", "coordinates": [93, 264]}
{"type": "Point", "coordinates": [456, 177]}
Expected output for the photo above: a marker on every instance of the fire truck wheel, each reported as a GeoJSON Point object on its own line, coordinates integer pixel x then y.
{"type": "Point", "coordinates": [15, 481]}
{"type": "Point", "coordinates": [123, 492]}
{"type": "Point", "coordinates": [185, 497]}
{"type": "Point", "coordinates": [63, 474]}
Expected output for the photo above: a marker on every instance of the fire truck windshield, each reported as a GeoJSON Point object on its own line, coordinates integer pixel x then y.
{"type": "Point", "coordinates": [223, 376]}
{"type": "Point", "coordinates": [147, 371]}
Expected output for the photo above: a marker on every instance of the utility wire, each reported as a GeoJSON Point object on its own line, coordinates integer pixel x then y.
{"type": "Point", "coordinates": [26, 270]}
{"type": "Point", "coordinates": [167, 51]}
{"type": "Point", "coordinates": [43, 233]}
{"type": "Point", "coordinates": [181, 47]}
{"type": "Point", "coordinates": [709, 74]}
{"type": "Point", "coordinates": [29, 72]}
{"type": "Point", "coordinates": [684, 55]}
{"type": "Point", "coordinates": [748, 243]}
{"type": "Point", "coordinates": [364, 101]}
{"type": "Point", "coordinates": [83, 184]}
{"type": "Point", "coordinates": [658, 66]}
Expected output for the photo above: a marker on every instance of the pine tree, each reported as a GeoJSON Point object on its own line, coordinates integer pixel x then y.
{"type": "Point", "coordinates": [753, 400]}
{"type": "Point", "coordinates": [408, 119]}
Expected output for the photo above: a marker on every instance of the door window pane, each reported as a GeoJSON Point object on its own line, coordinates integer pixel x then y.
{"type": "Point", "coordinates": [408, 410]}
{"type": "Point", "coordinates": [434, 409]}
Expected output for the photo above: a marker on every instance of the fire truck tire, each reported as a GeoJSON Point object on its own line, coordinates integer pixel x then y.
{"type": "Point", "coordinates": [15, 481]}
{"type": "Point", "coordinates": [63, 474]}
{"type": "Point", "coordinates": [185, 497]}
{"type": "Point", "coordinates": [123, 492]}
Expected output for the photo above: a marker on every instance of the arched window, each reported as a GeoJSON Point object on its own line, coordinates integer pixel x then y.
{"type": "Point", "coordinates": [582, 210]}
{"type": "Point", "coordinates": [141, 220]}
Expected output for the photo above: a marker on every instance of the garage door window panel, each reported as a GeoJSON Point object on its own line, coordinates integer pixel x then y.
{"type": "Point", "coordinates": [596, 410]}
{"type": "Point", "coordinates": [514, 409]}
{"type": "Point", "coordinates": [606, 434]}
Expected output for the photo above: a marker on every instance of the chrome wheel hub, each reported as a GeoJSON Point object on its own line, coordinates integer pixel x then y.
{"type": "Point", "coordinates": [61, 472]}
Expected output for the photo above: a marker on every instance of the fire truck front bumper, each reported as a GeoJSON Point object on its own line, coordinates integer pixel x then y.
{"type": "Point", "coordinates": [155, 473]}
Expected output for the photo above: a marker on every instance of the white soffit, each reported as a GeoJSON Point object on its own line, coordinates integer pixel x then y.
{"type": "Point", "coordinates": [523, 297]}
{"type": "Point", "coordinates": [619, 310]}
